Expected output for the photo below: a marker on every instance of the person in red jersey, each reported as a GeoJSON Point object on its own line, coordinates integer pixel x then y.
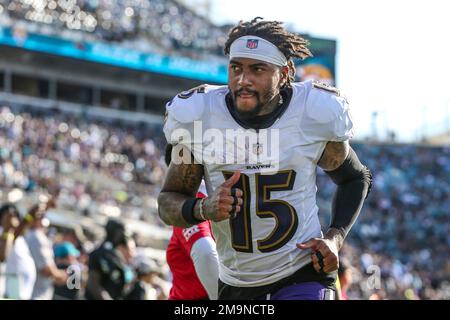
{"type": "Point", "coordinates": [192, 258]}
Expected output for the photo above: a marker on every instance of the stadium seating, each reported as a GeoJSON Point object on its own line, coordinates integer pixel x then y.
{"type": "Point", "coordinates": [403, 229]}
{"type": "Point", "coordinates": [158, 25]}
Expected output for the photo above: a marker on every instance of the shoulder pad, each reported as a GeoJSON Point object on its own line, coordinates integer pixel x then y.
{"type": "Point", "coordinates": [186, 108]}
{"type": "Point", "coordinates": [189, 105]}
{"type": "Point", "coordinates": [326, 87]}
{"type": "Point", "coordinates": [324, 103]}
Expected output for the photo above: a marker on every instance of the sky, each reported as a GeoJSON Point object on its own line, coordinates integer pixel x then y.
{"type": "Point", "coordinates": [393, 56]}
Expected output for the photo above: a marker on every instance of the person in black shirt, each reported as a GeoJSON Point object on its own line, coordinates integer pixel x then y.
{"type": "Point", "coordinates": [109, 270]}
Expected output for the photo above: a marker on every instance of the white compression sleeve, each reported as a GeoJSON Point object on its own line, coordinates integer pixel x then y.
{"type": "Point", "coordinates": [206, 263]}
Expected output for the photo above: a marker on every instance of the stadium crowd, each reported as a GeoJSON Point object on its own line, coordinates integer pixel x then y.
{"type": "Point", "coordinates": [148, 25]}
{"type": "Point", "coordinates": [86, 163]}
{"type": "Point", "coordinates": [398, 249]}
{"type": "Point", "coordinates": [402, 235]}
{"type": "Point", "coordinates": [89, 168]}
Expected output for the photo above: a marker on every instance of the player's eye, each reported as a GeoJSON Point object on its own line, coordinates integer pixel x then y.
{"type": "Point", "coordinates": [235, 68]}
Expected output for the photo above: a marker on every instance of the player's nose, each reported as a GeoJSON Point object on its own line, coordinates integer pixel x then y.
{"type": "Point", "coordinates": [244, 80]}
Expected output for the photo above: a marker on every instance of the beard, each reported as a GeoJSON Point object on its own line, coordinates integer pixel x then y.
{"type": "Point", "coordinates": [246, 115]}
{"type": "Point", "coordinates": [260, 103]}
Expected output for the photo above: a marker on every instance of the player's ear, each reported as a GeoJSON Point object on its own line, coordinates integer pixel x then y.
{"type": "Point", "coordinates": [284, 76]}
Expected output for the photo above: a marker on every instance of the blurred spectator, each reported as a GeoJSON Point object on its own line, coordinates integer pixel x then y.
{"type": "Point", "coordinates": [66, 258]}
{"type": "Point", "coordinates": [147, 285]}
{"type": "Point", "coordinates": [14, 250]}
{"type": "Point", "coordinates": [109, 264]}
{"type": "Point", "coordinates": [41, 249]}
{"type": "Point", "coordinates": [9, 218]}
{"type": "Point", "coordinates": [76, 237]}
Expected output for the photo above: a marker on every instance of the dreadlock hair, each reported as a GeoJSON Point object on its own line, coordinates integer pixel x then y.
{"type": "Point", "coordinates": [290, 44]}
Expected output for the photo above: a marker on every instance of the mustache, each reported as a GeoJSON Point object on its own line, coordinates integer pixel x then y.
{"type": "Point", "coordinates": [248, 91]}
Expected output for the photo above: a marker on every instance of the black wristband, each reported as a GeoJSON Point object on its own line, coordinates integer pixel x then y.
{"type": "Point", "coordinates": [188, 211]}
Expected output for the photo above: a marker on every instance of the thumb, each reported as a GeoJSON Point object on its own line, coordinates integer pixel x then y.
{"type": "Point", "coordinates": [308, 244]}
{"type": "Point", "coordinates": [232, 180]}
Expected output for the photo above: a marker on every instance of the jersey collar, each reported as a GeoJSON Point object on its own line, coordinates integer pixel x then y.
{"type": "Point", "coordinates": [260, 122]}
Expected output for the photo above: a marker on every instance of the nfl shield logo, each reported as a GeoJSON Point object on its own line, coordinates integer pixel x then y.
{"type": "Point", "coordinates": [252, 43]}
{"type": "Point", "coordinates": [257, 148]}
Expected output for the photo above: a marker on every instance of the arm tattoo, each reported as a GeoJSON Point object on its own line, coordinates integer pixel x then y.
{"type": "Point", "coordinates": [182, 182]}
{"type": "Point", "coordinates": [183, 178]}
{"type": "Point", "coordinates": [334, 155]}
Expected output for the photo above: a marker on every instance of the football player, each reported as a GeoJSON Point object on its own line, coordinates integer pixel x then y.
{"type": "Point", "coordinates": [262, 194]}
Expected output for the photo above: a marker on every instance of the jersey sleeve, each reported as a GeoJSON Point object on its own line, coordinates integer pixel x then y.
{"type": "Point", "coordinates": [181, 114]}
{"type": "Point", "coordinates": [188, 236]}
{"type": "Point", "coordinates": [326, 115]}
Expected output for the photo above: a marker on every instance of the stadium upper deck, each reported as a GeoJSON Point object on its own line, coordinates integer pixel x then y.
{"type": "Point", "coordinates": [157, 25]}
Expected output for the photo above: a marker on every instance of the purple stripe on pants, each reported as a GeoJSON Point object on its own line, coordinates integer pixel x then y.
{"type": "Point", "coordinates": [299, 291]}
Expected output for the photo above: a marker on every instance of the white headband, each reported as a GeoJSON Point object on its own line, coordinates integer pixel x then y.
{"type": "Point", "coordinates": [254, 47]}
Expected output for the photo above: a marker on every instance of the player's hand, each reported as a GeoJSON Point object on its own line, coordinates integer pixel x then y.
{"type": "Point", "coordinates": [225, 202]}
{"type": "Point", "coordinates": [324, 254]}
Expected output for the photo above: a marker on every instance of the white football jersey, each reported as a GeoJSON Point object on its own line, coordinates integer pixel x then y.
{"type": "Point", "coordinates": [278, 175]}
